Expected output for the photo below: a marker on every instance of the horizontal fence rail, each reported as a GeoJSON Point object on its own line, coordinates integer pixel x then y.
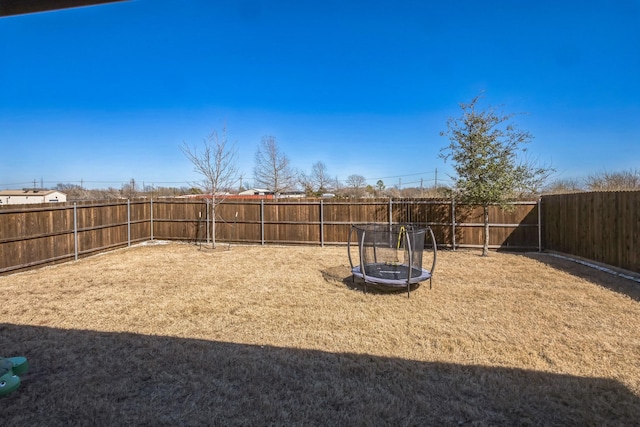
{"type": "Point", "coordinates": [32, 236]}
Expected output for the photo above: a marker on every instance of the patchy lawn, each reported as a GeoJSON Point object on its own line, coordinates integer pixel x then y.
{"type": "Point", "coordinates": [175, 334]}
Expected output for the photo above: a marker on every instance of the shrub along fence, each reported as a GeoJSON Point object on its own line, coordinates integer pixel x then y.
{"type": "Point", "coordinates": [35, 235]}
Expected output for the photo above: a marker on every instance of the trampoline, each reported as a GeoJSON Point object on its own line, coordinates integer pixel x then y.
{"type": "Point", "coordinates": [390, 256]}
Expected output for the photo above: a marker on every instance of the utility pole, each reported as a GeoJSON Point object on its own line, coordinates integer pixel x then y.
{"type": "Point", "coordinates": [436, 179]}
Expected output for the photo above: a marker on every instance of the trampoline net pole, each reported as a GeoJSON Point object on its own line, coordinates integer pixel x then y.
{"type": "Point", "coordinates": [410, 254]}
{"type": "Point", "coordinates": [361, 251]}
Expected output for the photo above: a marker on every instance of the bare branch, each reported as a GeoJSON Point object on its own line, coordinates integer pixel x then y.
{"type": "Point", "coordinates": [215, 160]}
{"type": "Point", "coordinates": [272, 168]}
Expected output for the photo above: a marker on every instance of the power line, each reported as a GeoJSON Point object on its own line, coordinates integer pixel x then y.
{"type": "Point", "coordinates": [400, 176]}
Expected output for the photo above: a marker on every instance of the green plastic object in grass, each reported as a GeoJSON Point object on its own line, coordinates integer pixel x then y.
{"type": "Point", "coordinates": [10, 368]}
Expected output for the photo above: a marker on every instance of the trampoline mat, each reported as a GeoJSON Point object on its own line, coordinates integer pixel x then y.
{"type": "Point", "coordinates": [389, 274]}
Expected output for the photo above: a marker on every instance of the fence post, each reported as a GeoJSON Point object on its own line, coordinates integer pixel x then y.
{"type": "Point", "coordinates": [390, 212]}
{"type": "Point", "coordinates": [75, 230]}
{"type": "Point", "coordinates": [453, 223]}
{"type": "Point", "coordinates": [540, 224]}
{"type": "Point", "coordinates": [262, 222]}
{"type": "Point", "coordinates": [128, 222]}
{"type": "Point", "coordinates": [321, 223]}
{"type": "Point", "coordinates": [151, 217]}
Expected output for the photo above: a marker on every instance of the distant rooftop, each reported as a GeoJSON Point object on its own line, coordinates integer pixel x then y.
{"type": "Point", "coordinates": [27, 192]}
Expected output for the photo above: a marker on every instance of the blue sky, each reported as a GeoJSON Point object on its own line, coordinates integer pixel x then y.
{"type": "Point", "coordinates": [108, 93]}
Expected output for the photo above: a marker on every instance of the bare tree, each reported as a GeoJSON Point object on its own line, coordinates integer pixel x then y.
{"type": "Point", "coordinates": [272, 169]}
{"type": "Point", "coordinates": [215, 160]}
{"type": "Point", "coordinates": [74, 191]}
{"type": "Point", "coordinates": [356, 181]}
{"type": "Point", "coordinates": [107, 194]}
{"type": "Point", "coordinates": [356, 184]}
{"type": "Point", "coordinates": [304, 180]}
{"type": "Point", "coordinates": [318, 182]}
{"type": "Point", "coordinates": [564, 185]}
{"type": "Point", "coordinates": [130, 189]}
{"type": "Point", "coordinates": [614, 181]}
{"type": "Point", "coordinates": [337, 185]}
{"type": "Point", "coordinates": [320, 177]}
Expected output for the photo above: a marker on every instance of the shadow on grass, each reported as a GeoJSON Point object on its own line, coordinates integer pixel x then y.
{"type": "Point", "coordinates": [602, 278]}
{"type": "Point", "coordinates": [98, 378]}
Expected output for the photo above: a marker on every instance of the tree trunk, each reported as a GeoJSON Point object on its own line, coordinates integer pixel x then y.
{"type": "Point", "coordinates": [213, 223]}
{"type": "Point", "coordinates": [485, 245]}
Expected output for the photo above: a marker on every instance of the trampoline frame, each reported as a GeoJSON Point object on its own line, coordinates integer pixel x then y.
{"type": "Point", "coordinates": [361, 272]}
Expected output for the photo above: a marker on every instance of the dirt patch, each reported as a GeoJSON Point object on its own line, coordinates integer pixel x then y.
{"type": "Point", "coordinates": [165, 334]}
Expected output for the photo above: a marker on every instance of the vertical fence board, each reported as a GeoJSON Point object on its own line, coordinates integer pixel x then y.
{"type": "Point", "coordinates": [600, 226]}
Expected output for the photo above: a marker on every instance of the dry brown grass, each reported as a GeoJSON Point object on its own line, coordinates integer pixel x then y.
{"type": "Point", "coordinates": [170, 334]}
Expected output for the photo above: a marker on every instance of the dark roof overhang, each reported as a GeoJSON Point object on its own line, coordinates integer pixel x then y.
{"type": "Point", "coordinates": [19, 7]}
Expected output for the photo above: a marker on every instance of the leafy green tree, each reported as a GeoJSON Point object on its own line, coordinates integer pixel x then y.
{"type": "Point", "coordinates": [484, 147]}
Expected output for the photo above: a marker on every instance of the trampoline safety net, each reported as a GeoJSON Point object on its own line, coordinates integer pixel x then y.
{"type": "Point", "coordinates": [391, 255]}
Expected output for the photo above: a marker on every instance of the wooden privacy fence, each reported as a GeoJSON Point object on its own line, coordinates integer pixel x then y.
{"type": "Point", "coordinates": [599, 226]}
{"type": "Point", "coordinates": [328, 221]}
{"type": "Point", "coordinates": [31, 236]}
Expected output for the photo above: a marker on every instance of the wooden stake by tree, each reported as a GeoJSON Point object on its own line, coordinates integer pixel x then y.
{"type": "Point", "coordinates": [484, 147]}
{"type": "Point", "coordinates": [216, 162]}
